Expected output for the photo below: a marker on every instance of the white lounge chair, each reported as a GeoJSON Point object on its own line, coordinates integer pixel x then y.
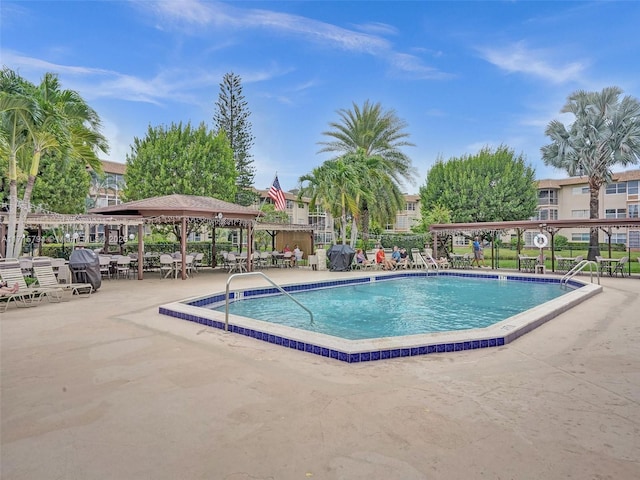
{"type": "Point", "coordinates": [46, 278]}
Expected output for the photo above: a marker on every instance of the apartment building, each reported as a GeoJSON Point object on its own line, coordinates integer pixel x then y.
{"type": "Point", "coordinates": [407, 218]}
{"type": "Point", "coordinates": [558, 199]}
{"type": "Point", "coordinates": [569, 199]}
{"type": "Point", "coordinates": [299, 213]}
{"type": "Point", "coordinates": [106, 187]}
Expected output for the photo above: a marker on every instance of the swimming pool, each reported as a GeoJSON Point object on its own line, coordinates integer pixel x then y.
{"type": "Point", "coordinates": [199, 310]}
{"type": "Point", "coordinates": [400, 306]}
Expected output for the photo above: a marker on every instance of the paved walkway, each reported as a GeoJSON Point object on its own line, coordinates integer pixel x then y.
{"type": "Point", "coordinates": [105, 388]}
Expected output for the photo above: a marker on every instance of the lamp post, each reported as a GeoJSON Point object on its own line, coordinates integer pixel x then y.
{"type": "Point", "coordinates": [66, 237]}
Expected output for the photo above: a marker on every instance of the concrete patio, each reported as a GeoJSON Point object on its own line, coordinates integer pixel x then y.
{"type": "Point", "coordinates": [106, 388]}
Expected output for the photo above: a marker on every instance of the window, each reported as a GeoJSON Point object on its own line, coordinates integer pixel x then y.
{"type": "Point", "coordinates": [547, 197]}
{"type": "Point", "coordinates": [632, 187]}
{"type": "Point", "coordinates": [634, 239]}
{"type": "Point", "coordinates": [579, 213]}
{"type": "Point", "coordinates": [547, 214]}
{"type": "Point", "coordinates": [289, 205]}
{"type": "Point", "coordinates": [580, 237]}
{"type": "Point", "coordinates": [460, 241]}
{"type": "Point", "coordinates": [615, 213]}
{"type": "Point", "coordinates": [580, 190]}
{"type": "Point", "coordinates": [411, 206]}
{"type": "Point", "coordinates": [322, 238]}
{"type": "Point", "coordinates": [615, 188]}
{"type": "Point", "coordinates": [402, 222]}
{"type": "Point", "coordinates": [633, 210]}
{"type": "Point", "coordinates": [619, 238]}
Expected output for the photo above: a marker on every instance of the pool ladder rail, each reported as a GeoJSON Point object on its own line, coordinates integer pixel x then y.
{"type": "Point", "coordinates": [231, 277]}
{"type": "Point", "coordinates": [577, 268]}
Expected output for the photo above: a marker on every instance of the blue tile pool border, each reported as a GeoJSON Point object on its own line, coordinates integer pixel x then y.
{"type": "Point", "coordinates": [370, 355]}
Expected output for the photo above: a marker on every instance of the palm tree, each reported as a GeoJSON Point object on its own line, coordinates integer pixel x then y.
{"type": "Point", "coordinates": [606, 132]}
{"type": "Point", "coordinates": [371, 131]}
{"type": "Point", "coordinates": [334, 187]}
{"type": "Point", "coordinates": [36, 121]}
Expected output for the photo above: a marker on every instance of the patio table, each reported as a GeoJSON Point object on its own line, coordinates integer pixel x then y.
{"type": "Point", "coordinates": [566, 263]}
{"type": "Point", "coordinates": [528, 264]}
{"type": "Point", "coordinates": [607, 265]}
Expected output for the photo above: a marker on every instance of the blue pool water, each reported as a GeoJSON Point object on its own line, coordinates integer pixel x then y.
{"type": "Point", "coordinates": [404, 306]}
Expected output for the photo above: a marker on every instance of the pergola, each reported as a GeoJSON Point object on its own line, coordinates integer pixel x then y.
{"type": "Point", "coordinates": [273, 228]}
{"type": "Point", "coordinates": [180, 210]}
{"type": "Point", "coordinates": [550, 226]}
{"type": "Point", "coordinates": [51, 220]}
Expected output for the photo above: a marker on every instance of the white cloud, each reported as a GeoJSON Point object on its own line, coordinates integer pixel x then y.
{"type": "Point", "coordinates": [175, 84]}
{"type": "Point", "coordinates": [517, 58]}
{"type": "Point", "coordinates": [377, 28]}
{"type": "Point", "coordinates": [193, 13]}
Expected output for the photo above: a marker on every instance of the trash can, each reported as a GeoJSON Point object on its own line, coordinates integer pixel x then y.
{"type": "Point", "coordinates": [85, 267]}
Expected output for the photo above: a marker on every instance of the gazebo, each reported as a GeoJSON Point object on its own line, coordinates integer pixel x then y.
{"type": "Point", "coordinates": [180, 210]}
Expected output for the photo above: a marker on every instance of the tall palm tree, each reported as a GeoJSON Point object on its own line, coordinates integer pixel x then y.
{"type": "Point", "coordinates": [375, 187]}
{"type": "Point", "coordinates": [606, 132]}
{"type": "Point", "coordinates": [334, 187]}
{"type": "Point", "coordinates": [40, 120]}
{"type": "Point", "coordinates": [371, 131]}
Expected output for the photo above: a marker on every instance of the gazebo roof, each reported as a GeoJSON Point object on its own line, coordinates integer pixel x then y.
{"type": "Point", "coordinates": [175, 207]}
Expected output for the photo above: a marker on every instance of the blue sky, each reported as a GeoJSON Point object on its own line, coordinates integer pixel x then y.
{"type": "Point", "coordinates": [463, 75]}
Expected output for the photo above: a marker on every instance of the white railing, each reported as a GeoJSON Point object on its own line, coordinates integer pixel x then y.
{"type": "Point", "coordinates": [231, 277]}
{"type": "Point", "coordinates": [577, 268]}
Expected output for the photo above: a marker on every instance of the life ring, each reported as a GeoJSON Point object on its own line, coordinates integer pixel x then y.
{"type": "Point", "coordinates": [540, 240]}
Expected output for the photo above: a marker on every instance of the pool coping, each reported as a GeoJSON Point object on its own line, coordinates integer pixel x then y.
{"type": "Point", "coordinates": [355, 351]}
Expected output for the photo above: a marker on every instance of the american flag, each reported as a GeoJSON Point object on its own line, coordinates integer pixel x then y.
{"type": "Point", "coordinates": [277, 195]}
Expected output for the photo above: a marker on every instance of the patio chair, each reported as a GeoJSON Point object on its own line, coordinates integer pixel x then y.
{"type": "Point", "coordinates": [56, 264]}
{"type": "Point", "coordinates": [255, 260]}
{"type": "Point", "coordinates": [166, 265]}
{"type": "Point", "coordinates": [225, 260]}
{"type": "Point", "coordinates": [619, 268]}
{"type": "Point", "coordinates": [198, 262]}
{"type": "Point", "coordinates": [11, 273]}
{"type": "Point", "coordinates": [46, 278]}
{"type": "Point", "coordinates": [188, 264]}
{"type": "Point", "coordinates": [236, 264]}
{"type": "Point", "coordinates": [123, 267]}
{"type": "Point", "coordinates": [105, 266]}
{"type": "Point", "coordinates": [265, 259]}
{"type": "Point", "coordinates": [20, 299]}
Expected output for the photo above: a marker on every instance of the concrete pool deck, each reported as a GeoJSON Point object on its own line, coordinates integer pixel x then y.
{"type": "Point", "coordinates": [107, 388]}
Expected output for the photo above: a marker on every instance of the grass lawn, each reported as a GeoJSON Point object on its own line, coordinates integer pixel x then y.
{"type": "Point", "coordinates": [507, 258]}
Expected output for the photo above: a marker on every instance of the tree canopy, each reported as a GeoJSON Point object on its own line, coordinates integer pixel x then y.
{"type": "Point", "coordinates": [61, 186]}
{"type": "Point", "coordinates": [180, 159]}
{"type": "Point", "coordinates": [38, 123]}
{"type": "Point", "coordinates": [368, 141]}
{"type": "Point", "coordinates": [232, 117]}
{"type": "Point", "coordinates": [605, 133]}
{"type": "Point", "coordinates": [489, 186]}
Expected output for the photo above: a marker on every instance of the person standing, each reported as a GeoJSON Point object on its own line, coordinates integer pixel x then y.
{"type": "Point", "coordinates": [478, 253]}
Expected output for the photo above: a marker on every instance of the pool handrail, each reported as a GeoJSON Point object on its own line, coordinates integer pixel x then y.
{"type": "Point", "coordinates": [577, 268]}
{"type": "Point", "coordinates": [226, 297]}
